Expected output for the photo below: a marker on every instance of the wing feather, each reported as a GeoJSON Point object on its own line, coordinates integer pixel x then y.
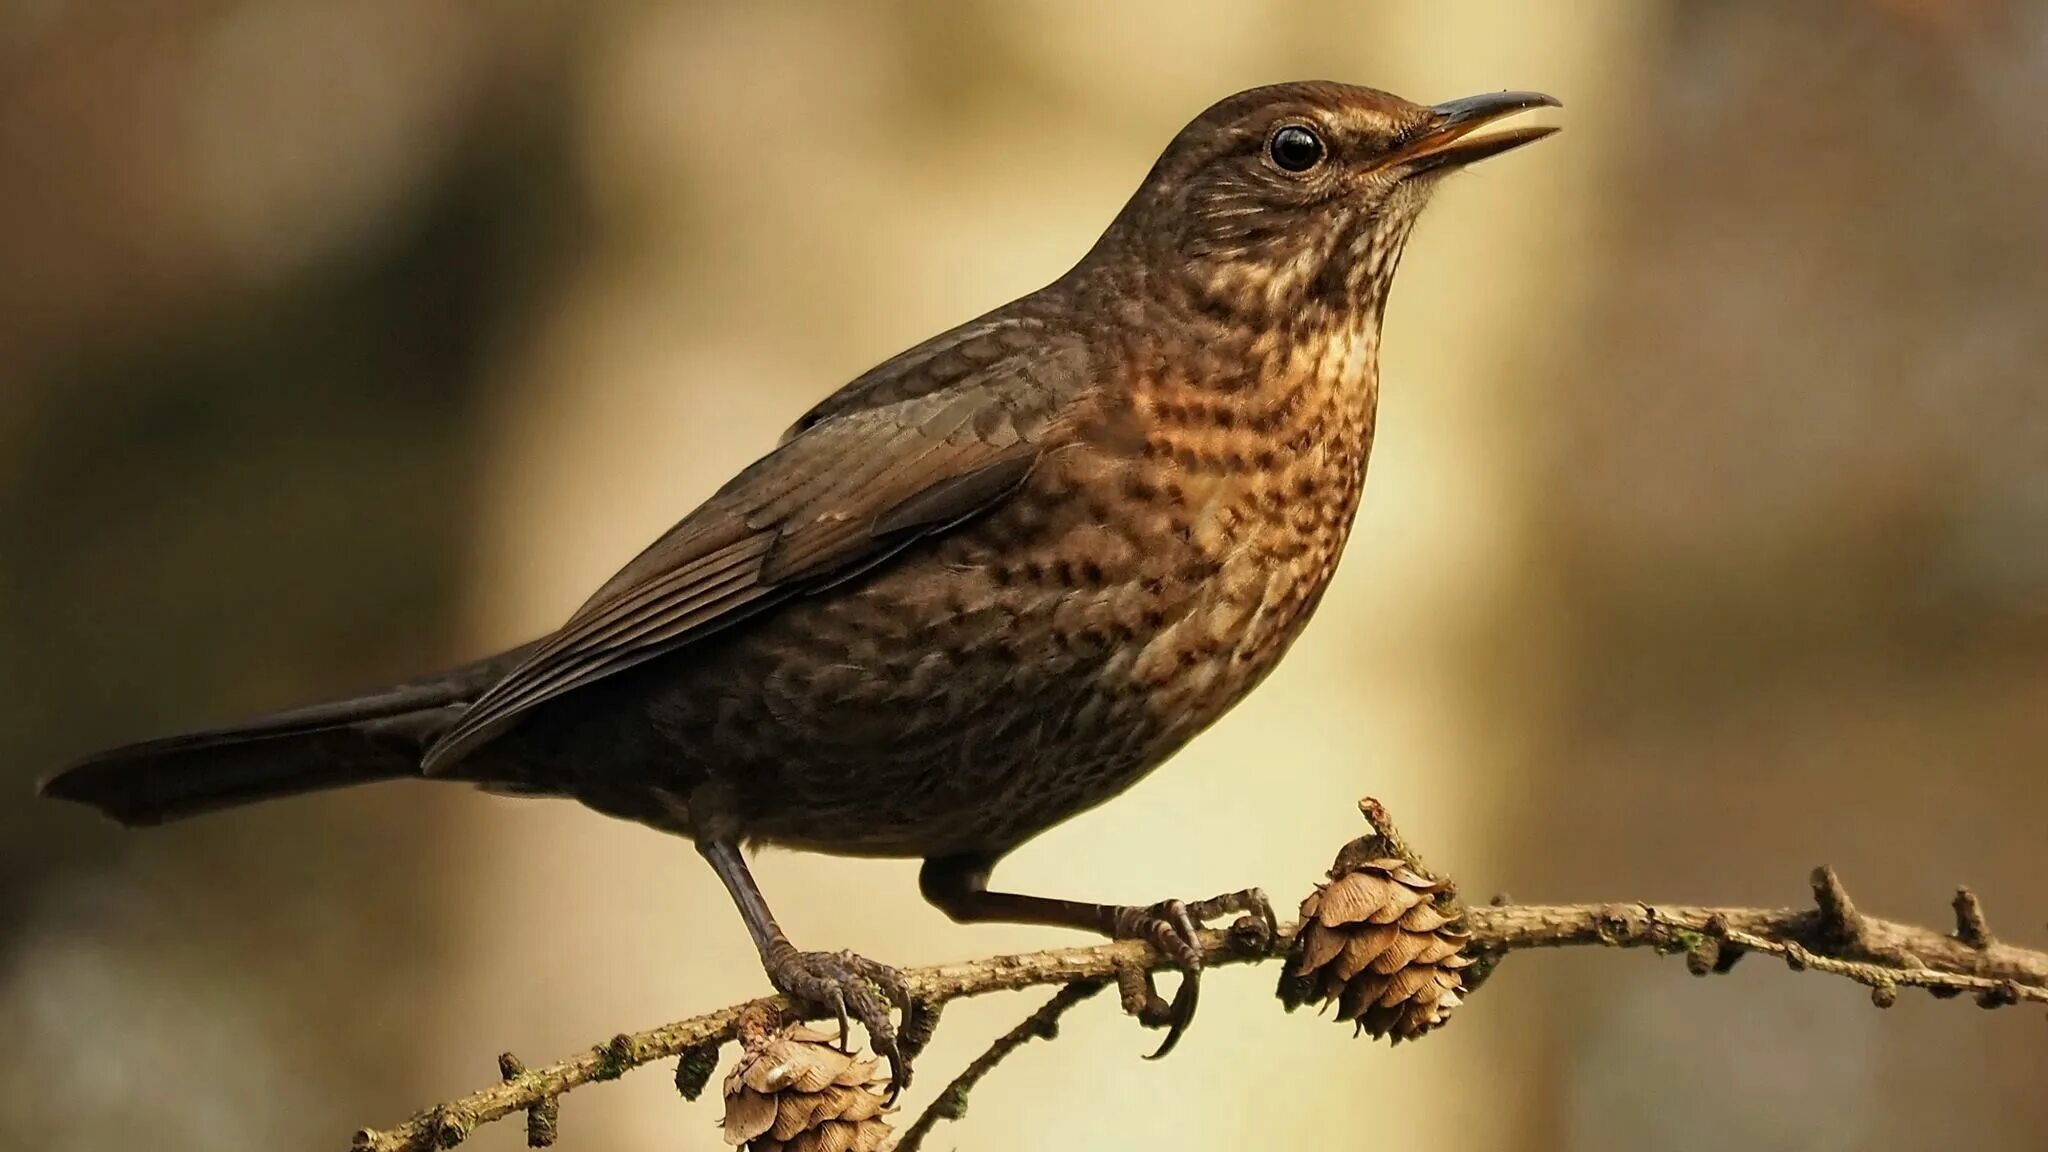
{"type": "Point", "coordinates": [835, 499]}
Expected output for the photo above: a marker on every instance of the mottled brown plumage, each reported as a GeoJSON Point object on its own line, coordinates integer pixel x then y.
{"type": "Point", "coordinates": [987, 585]}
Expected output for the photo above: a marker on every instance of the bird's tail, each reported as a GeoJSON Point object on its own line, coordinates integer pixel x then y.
{"type": "Point", "coordinates": [377, 736]}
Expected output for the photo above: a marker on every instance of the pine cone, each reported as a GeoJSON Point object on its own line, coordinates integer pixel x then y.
{"type": "Point", "coordinates": [1382, 941]}
{"type": "Point", "coordinates": [795, 1091]}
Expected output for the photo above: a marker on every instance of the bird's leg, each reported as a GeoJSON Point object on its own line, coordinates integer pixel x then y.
{"type": "Point", "coordinates": [958, 886]}
{"type": "Point", "coordinates": [842, 983]}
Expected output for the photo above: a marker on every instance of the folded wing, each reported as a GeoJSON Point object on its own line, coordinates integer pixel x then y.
{"type": "Point", "coordinates": [835, 499]}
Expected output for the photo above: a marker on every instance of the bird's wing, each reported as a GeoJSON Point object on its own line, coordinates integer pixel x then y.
{"type": "Point", "coordinates": [928, 367]}
{"type": "Point", "coordinates": [835, 499]}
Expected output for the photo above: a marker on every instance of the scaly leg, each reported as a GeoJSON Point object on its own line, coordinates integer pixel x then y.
{"type": "Point", "coordinates": [839, 982]}
{"type": "Point", "coordinates": [958, 886]}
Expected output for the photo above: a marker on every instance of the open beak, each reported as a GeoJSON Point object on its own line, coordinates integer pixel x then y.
{"type": "Point", "coordinates": [1447, 139]}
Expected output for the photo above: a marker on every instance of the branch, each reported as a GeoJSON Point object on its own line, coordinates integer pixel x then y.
{"type": "Point", "coordinates": [1882, 955]}
{"type": "Point", "coordinates": [1044, 1024]}
{"type": "Point", "coordinates": [1832, 937]}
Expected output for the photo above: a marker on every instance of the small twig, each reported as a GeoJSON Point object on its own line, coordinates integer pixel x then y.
{"type": "Point", "coordinates": [1971, 927]}
{"type": "Point", "coordinates": [1841, 925]}
{"type": "Point", "coordinates": [1831, 937]}
{"type": "Point", "coordinates": [951, 1103]}
{"type": "Point", "coordinates": [540, 1119]}
{"type": "Point", "coordinates": [1382, 824]}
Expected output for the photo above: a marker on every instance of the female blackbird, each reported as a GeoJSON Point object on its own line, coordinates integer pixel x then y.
{"type": "Point", "coordinates": [987, 585]}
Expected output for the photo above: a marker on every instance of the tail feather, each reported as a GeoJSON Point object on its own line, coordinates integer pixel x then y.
{"type": "Point", "coordinates": [379, 736]}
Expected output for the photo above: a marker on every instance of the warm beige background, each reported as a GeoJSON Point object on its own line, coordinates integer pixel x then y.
{"type": "Point", "coordinates": [1707, 537]}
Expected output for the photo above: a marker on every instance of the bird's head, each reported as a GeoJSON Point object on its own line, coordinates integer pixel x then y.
{"type": "Point", "coordinates": [1295, 200]}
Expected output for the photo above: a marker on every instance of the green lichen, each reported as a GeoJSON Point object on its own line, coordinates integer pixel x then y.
{"type": "Point", "coordinates": [1681, 940]}
{"type": "Point", "coordinates": [451, 1126]}
{"type": "Point", "coordinates": [614, 1059]}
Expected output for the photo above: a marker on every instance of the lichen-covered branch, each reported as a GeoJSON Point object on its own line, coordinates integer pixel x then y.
{"type": "Point", "coordinates": [951, 1102]}
{"type": "Point", "coordinates": [447, 1125]}
{"type": "Point", "coordinates": [1831, 937]}
{"type": "Point", "coordinates": [1882, 955]}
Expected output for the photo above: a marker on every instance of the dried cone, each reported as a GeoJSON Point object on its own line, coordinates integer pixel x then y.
{"type": "Point", "coordinates": [1379, 943]}
{"type": "Point", "coordinates": [795, 1091]}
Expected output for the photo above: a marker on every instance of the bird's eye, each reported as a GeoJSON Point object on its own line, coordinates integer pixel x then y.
{"type": "Point", "coordinates": [1295, 148]}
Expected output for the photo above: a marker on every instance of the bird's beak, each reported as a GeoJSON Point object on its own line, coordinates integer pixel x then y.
{"type": "Point", "coordinates": [1446, 139]}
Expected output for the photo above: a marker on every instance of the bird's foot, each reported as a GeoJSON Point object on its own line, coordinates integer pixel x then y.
{"type": "Point", "coordinates": [851, 987]}
{"type": "Point", "coordinates": [1171, 926]}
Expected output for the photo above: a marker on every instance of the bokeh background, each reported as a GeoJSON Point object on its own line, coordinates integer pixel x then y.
{"type": "Point", "coordinates": [1707, 537]}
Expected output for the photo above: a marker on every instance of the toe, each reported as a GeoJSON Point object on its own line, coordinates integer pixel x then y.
{"type": "Point", "coordinates": [862, 979]}
{"type": "Point", "coordinates": [1182, 1013]}
{"type": "Point", "coordinates": [1174, 928]}
{"type": "Point", "coordinates": [888, 979]}
{"type": "Point", "coordinates": [874, 1017]}
{"type": "Point", "coordinates": [855, 990]}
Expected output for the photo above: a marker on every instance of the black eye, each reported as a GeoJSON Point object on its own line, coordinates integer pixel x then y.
{"type": "Point", "coordinates": [1295, 148]}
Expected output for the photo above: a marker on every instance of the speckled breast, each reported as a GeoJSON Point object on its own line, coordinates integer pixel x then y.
{"type": "Point", "coordinates": [1042, 659]}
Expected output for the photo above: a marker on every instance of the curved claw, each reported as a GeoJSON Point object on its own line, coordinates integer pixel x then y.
{"type": "Point", "coordinates": [846, 984]}
{"type": "Point", "coordinates": [838, 1001]}
{"type": "Point", "coordinates": [1172, 927]}
{"type": "Point", "coordinates": [1168, 927]}
{"type": "Point", "coordinates": [1182, 1013]}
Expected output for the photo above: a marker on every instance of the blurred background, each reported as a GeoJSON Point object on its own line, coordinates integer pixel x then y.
{"type": "Point", "coordinates": [1707, 538]}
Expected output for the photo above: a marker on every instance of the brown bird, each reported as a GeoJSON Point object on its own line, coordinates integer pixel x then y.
{"type": "Point", "coordinates": [987, 585]}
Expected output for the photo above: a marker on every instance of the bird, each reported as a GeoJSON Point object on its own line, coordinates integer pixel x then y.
{"type": "Point", "coordinates": [987, 585]}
